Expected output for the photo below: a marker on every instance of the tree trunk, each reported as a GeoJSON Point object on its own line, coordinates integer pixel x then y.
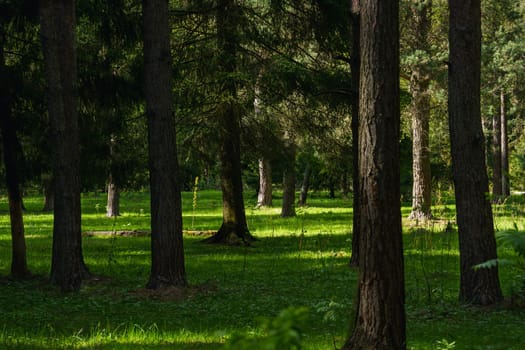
{"type": "Point", "coordinates": [49, 192]}
{"type": "Point", "coordinates": [167, 253]}
{"type": "Point", "coordinates": [264, 197]}
{"type": "Point", "coordinates": [380, 318]}
{"type": "Point", "coordinates": [305, 186]}
{"type": "Point", "coordinates": [113, 204]}
{"type": "Point", "coordinates": [234, 228]}
{"type": "Point", "coordinates": [496, 158]}
{"type": "Point", "coordinates": [58, 41]}
{"type": "Point", "coordinates": [289, 178]}
{"type": "Point", "coordinates": [419, 84]}
{"type": "Point", "coordinates": [10, 141]}
{"type": "Point", "coordinates": [345, 183]}
{"type": "Point", "coordinates": [505, 185]}
{"type": "Point", "coordinates": [474, 213]}
{"type": "Point", "coordinates": [355, 71]}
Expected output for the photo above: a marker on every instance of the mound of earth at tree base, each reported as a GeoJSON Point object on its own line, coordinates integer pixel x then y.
{"type": "Point", "coordinates": [140, 233]}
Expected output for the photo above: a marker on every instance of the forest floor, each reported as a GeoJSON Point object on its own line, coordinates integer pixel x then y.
{"type": "Point", "coordinates": [295, 277]}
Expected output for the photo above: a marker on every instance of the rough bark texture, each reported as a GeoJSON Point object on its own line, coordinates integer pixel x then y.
{"type": "Point", "coordinates": [355, 69]}
{"type": "Point", "coordinates": [303, 195]}
{"type": "Point", "coordinates": [57, 19]}
{"type": "Point", "coordinates": [234, 228]}
{"type": "Point", "coordinates": [11, 155]}
{"type": "Point", "coordinates": [496, 158]}
{"type": "Point", "coordinates": [289, 178]}
{"type": "Point", "coordinates": [474, 213]}
{"type": "Point", "coordinates": [505, 184]}
{"type": "Point", "coordinates": [380, 318]}
{"type": "Point", "coordinates": [167, 253]}
{"type": "Point", "coordinates": [419, 84]}
{"type": "Point", "coordinates": [264, 197]}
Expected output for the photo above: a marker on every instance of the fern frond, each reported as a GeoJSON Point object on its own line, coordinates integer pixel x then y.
{"type": "Point", "coordinates": [514, 239]}
{"type": "Point", "coordinates": [493, 263]}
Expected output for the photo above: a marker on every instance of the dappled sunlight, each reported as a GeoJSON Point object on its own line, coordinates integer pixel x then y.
{"type": "Point", "coordinates": [299, 261]}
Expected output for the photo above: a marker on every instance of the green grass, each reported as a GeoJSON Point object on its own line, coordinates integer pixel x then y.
{"type": "Point", "coordinates": [300, 261]}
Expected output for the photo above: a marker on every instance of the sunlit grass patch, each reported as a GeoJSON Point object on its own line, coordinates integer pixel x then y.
{"type": "Point", "coordinates": [296, 262]}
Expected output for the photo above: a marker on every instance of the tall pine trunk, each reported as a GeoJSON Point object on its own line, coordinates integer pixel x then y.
{"type": "Point", "coordinates": [474, 213]}
{"type": "Point", "coordinates": [234, 228]}
{"type": "Point", "coordinates": [380, 317]}
{"type": "Point", "coordinates": [113, 201]}
{"type": "Point", "coordinates": [419, 85]}
{"type": "Point", "coordinates": [264, 196]}
{"type": "Point", "coordinates": [289, 178]}
{"type": "Point", "coordinates": [355, 67]}
{"type": "Point", "coordinates": [497, 191]}
{"type": "Point", "coordinates": [505, 184]}
{"type": "Point", "coordinates": [305, 186]}
{"type": "Point", "coordinates": [167, 251]}
{"type": "Point", "coordinates": [49, 192]}
{"type": "Point", "coordinates": [10, 141]}
{"type": "Point", "coordinates": [57, 19]}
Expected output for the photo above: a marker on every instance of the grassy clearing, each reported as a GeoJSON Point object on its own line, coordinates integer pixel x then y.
{"type": "Point", "coordinates": [300, 261]}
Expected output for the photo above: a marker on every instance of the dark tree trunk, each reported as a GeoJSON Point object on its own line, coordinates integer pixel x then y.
{"type": "Point", "coordinates": [167, 253]}
{"type": "Point", "coordinates": [58, 40]}
{"type": "Point", "coordinates": [10, 142]}
{"type": "Point", "coordinates": [49, 192]}
{"type": "Point", "coordinates": [18, 260]}
{"type": "Point", "coordinates": [303, 195]}
{"type": "Point", "coordinates": [345, 184]}
{"type": "Point", "coordinates": [355, 68]}
{"type": "Point", "coordinates": [380, 318]}
{"type": "Point", "coordinates": [496, 158]}
{"type": "Point", "coordinates": [419, 84]}
{"type": "Point", "coordinates": [505, 184]}
{"type": "Point", "coordinates": [289, 178]}
{"type": "Point", "coordinates": [234, 228]}
{"type": "Point", "coordinates": [264, 194]}
{"type": "Point", "coordinates": [331, 189]}
{"type": "Point", "coordinates": [113, 202]}
{"type": "Point", "coordinates": [474, 213]}
{"type": "Point", "coordinates": [264, 197]}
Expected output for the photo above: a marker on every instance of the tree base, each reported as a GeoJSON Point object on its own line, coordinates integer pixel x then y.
{"type": "Point", "coordinates": [418, 215]}
{"type": "Point", "coordinates": [159, 282]}
{"type": "Point", "coordinates": [231, 235]}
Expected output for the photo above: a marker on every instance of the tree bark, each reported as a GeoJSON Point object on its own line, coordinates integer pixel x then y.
{"type": "Point", "coordinates": [264, 197]}
{"type": "Point", "coordinates": [355, 67]}
{"type": "Point", "coordinates": [10, 141]}
{"type": "Point", "coordinates": [234, 228]}
{"type": "Point", "coordinates": [496, 158]}
{"type": "Point", "coordinates": [474, 213]}
{"type": "Point", "coordinates": [167, 251]}
{"type": "Point", "coordinates": [289, 178]}
{"type": "Point", "coordinates": [419, 84]}
{"type": "Point", "coordinates": [49, 192]}
{"type": "Point", "coordinates": [57, 19]}
{"type": "Point", "coordinates": [303, 195]}
{"type": "Point", "coordinates": [380, 317]}
{"type": "Point", "coordinates": [18, 259]}
{"type": "Point", "coordinates": [113, 202]}
{"type": "Point", "coordinates": [505, 184]}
